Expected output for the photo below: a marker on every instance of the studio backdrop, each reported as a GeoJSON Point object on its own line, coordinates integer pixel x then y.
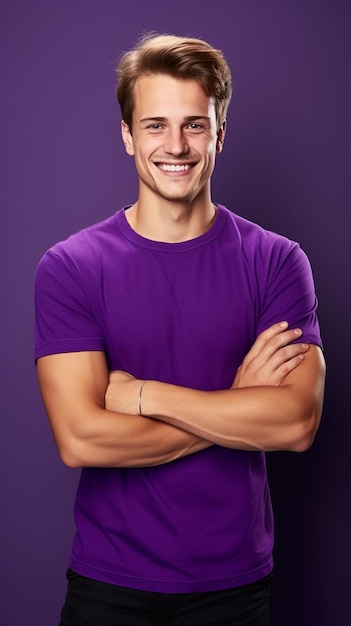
{"type": "Point", "coordinates": [285, 165]}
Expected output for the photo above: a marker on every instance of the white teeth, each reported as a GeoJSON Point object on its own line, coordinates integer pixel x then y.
{"type": "Point", "coordinates": [174, 168]}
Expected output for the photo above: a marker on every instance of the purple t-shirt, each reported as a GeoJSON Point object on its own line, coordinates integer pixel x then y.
{"type": "Point", "coordinates": [183, 313]}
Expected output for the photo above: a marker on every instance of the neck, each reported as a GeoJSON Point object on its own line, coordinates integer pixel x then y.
{"type": "Point", "coordinates": [171, 222]}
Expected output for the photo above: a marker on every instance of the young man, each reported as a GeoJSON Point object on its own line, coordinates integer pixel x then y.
{"type": "Point", "coordinates": [176, 342]}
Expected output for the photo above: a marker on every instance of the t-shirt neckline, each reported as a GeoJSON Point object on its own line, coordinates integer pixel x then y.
{"type": "Point", "coordinates": [182, 246]}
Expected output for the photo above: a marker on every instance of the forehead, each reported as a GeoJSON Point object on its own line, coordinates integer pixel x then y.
{"type": "Point", "coordinates": [162, 95]}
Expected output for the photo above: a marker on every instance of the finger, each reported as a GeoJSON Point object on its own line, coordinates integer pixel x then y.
{"type": "Point", "coordinates": [278, 334]}
{"type": "Point", "coordinates": [287, 353]}
{"type": "Point", "coordinates": [274, 338]}
{"type": "Point", "coordinates": [286, 368]}
{"type": "Point", "coordinates": [273, 330]}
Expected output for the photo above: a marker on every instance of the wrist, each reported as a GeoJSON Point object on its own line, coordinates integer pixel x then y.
{"type": "Point", "coordinates": [140, 397]}
{"type": "Point", "coordinates": [147, 398]}
{"type": "Point", "coordinates": [156, 399]}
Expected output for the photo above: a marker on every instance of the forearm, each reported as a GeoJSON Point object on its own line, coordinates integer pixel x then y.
{"type": "Point", "coordinates": [110, 439]}
{"type": "Point", "coordinates": [255, 418]}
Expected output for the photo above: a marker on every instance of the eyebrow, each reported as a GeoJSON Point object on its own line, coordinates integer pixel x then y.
{"type": "Point", "coordinates": [188, 118]}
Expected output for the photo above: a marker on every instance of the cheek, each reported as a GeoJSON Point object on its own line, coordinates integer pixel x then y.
{"type": "Point", "coordinates": [146, 148]}
{"type": "Point", "coordinates": [211, 151]}
{"type": "Point", "coordinates": [209, 146]}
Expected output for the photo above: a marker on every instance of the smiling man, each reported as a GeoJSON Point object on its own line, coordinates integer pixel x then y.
{"type": "Point", "coordinates": [176, 342]}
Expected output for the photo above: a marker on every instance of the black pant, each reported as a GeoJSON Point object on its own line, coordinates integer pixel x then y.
{"type": "Point", "coordinates": [92, 603]}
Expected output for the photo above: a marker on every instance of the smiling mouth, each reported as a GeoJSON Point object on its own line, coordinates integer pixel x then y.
{"type": "Point", "coordinates": [165, 167]}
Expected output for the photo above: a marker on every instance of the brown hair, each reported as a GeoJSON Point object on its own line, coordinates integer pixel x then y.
{"type": "Point", "coordinates": [180, 57]}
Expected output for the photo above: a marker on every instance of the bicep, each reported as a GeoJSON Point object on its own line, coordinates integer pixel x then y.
{"type": "Point", "coordinates": [307, 382]}
{"type": "Point", "coordinates": [72, 385]}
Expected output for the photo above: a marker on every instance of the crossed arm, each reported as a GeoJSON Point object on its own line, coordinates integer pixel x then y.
{"type": "Point", "coordinates": [274, 403]}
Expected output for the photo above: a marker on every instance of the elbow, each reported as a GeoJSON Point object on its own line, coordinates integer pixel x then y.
{"type": "Point", "coordinates": [304, 433]}
{"type": "Point", "coordinates": [70, 457]}
{"type": "Point", "coordinates": [70, 461]}
{"type": "Point", "coordinates": [303, 443]}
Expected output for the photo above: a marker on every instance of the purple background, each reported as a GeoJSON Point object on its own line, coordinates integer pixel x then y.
{"type": "Point", "coordinates": [286, 164]}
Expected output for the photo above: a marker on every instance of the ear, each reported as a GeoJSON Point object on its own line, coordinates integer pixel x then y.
{"type": "Point", "coordinates": [127, 138]}
{"type": "Point", "coordinates": [220, 137]}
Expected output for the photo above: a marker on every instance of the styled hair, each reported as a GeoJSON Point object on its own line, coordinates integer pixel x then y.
{"type": "Point", "coordinates": [180, 57]}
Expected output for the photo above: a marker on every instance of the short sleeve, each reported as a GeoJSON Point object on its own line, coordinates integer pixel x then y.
{"type": "Point", "coordinates": [64, 321]}
{"type": "Point", "coordinates": [290, 292]}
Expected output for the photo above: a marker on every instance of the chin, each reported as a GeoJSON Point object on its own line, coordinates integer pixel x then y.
{"type": "Point", "coordinates": [186, 196]}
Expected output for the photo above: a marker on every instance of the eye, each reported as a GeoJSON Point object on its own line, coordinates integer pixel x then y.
{"type": "Point", "coordinates": [155, 127]}
{"type": "Point", "coordinates": [195, 127]}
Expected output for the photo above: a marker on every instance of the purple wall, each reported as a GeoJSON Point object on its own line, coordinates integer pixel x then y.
{"type": "Point", "coordinates": [286, 164]}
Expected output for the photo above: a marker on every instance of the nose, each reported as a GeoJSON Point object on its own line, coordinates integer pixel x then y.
{"type": "Point", "coordinates": [176, 143]}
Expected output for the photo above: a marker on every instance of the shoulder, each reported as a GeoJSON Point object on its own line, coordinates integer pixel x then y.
{"type": "Point", "coordinates": [264, 254]}
{"type": "Point", "coordinates": [84, 247]}
{"type": "Point", "coordinates": [254, 238]}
